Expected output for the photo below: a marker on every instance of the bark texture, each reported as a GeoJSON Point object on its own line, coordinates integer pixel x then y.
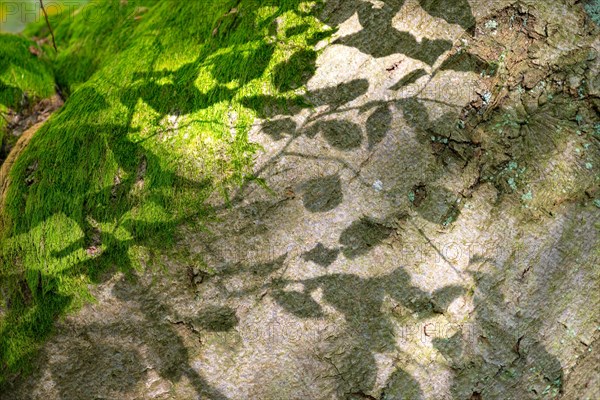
{"type": "Point", "coordinates": [430, 230]}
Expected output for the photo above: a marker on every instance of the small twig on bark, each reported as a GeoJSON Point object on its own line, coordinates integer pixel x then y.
{"type": "Point", "coordinates": [49, 26]}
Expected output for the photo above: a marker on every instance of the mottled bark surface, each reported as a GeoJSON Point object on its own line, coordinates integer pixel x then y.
{"type": "Point", "coordinates": [430, 230]}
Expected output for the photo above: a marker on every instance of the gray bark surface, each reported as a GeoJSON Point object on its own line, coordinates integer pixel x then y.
{"type": "Point", "coordinates": [430, 230]}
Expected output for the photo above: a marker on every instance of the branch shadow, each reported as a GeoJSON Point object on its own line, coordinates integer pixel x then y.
{"type": "Point", "coordinates": [368, 330]}
{"type": "Point", "coordinates": [111, 227]}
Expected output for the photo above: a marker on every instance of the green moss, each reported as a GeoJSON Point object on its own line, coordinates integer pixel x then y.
{"type": "Point", "coordinates": [24, 77]}
{"type": "Point", "coordinates": [161, 98]}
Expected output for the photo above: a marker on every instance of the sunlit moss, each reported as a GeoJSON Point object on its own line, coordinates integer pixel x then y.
{"type": "Point", "coordinates": [155, 121]}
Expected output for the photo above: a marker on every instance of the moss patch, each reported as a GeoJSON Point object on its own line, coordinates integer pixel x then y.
{"type": "Point", "coordinates": [24, 77]}
{"type": "Point", "coordinates": [23, 70]}
{"type": "Point", "coordinates": [154, 123]}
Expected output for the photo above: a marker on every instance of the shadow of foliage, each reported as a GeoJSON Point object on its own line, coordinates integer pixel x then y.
{"type": "Point", "coordinates": [465, 62]}
{"type": "Point", "coordinates": [363, 235]}
{"type": "Point", "coordinates": [500, 342]}
{"type": "Point", "coordinates": [341, 134]}
{"type": "Point", "coordinates": [323, 193]}
{"type": "Point", "coordinates": [369, 330]}
{"type": "Point", "coordinates": [342, 93]}
{"type": "Point", "coordinates": [321, 255]}
{"type": "Point", "coordinates": [454, 12]}
{"type": "Point", "coordinates": [296, 71]}
{"type": "Point", "coordinates": [409, 79]}
{"type": "Point", "coordinates": [64, 182]}
{"type": "Point", "coordinates": [113, 356]}
{"type": "Point", "coordinates": [378, 125]}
